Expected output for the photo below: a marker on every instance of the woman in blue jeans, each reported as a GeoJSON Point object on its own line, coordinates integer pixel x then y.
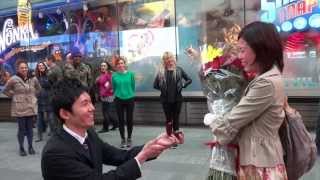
{"type": "Point", "coordinates": [23, 89]}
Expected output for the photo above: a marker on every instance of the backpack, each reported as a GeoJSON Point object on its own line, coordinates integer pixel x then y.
{"type": "Point", "coordinates": [300, 150]}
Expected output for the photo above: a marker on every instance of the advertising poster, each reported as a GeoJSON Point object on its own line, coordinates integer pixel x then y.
{"type": "Point", "coordinates": [143, 49]}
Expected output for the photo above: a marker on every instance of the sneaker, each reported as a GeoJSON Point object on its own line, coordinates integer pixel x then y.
{"type": "Point", "coordinates": [129, 142]}
{"type": "Point", "coordinates": [32, 151]}
{"type": "Point", "coordinates": [123, 143]}
{"type": "Point", "coordinates": [22, 152]}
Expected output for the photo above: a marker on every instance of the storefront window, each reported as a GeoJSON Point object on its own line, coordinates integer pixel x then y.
{"type": "Point", "coordinates": [252, 10]}
{"type": "Point", "coordinates": [143, 30]}
{"type": "Point", "coordinates": [147, 30]}
{"type": "Point", "coordinates": [94, 30]}
{"type": "Point", "coordinates": [201, 24]}
{"type": "Point", "coordinates": [59, 25]}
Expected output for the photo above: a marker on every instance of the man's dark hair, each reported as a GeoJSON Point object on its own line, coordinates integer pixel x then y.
{"type": "Point", "coordinates": [264, 39]}
{"type": "Point", "coordinates": [64, 93]}
{"type": "Point", "coordinates": [51, 58]}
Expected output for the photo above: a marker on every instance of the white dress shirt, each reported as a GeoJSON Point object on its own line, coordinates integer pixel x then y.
{"type": "Point", "coordinates": [82, 139]}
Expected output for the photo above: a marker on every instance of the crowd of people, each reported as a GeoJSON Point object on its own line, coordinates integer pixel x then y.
{"type": "Point", "coordinates": [65, 93]}
{"type": "Point", "coordinates": [113, 87]}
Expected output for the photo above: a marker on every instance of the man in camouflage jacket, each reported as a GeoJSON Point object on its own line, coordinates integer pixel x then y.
{"type": "Point", "coordinates": [77, 69]}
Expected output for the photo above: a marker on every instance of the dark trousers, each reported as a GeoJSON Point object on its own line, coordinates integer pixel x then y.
{"type": "Point", "coordinates": [318, 134]}
{"type": "Point", "coordinates": [25, 125]}
{"type": "Point", "coordinates": [172, 112]}
{"type": "Point", "coordinates": [44, 119]}
{"type": "Point", "coordinates": [123, 106]}
{"type": "Point", "coordinates": [41, 122]}
{"type": "Point", "coordinates": [107, 116]}
{"type": "Point", "coordinates": [53, 122]}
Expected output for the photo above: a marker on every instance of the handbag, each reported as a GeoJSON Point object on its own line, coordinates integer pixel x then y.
{"type": "Point", "coordinates": [300, 150]}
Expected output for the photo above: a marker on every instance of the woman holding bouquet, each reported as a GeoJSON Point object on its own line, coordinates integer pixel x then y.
{"type": "Point", "coordinates": [254, 122]}
{"type": "Point", "coordinates": [170, 80]}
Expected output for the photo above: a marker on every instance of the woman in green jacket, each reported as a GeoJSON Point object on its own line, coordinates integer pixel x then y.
{"type": "Point", "coordinates": [123, 84]}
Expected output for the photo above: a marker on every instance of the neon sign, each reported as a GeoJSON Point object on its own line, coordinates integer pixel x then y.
{"type": "Point", "coordinates": [287, 13]}
{"type": "Point", "coordinates": [298, 8]}
{"type": "Point", "coordinates": [314, 21]}
{"type": "Point", "coordinates": [24, 12]}
{"type": "Point", "coordinates": [11, 34]}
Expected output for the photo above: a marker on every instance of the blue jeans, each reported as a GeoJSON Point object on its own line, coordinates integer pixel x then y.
{"type": "Point", "coordinates": [44, 119]}
{"type": "Point", "coordinates": [25, 125]}
{"type": "Point", "coordinates": [41, 122]}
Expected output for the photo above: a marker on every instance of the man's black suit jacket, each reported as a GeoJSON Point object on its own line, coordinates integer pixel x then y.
{"type": "Point", "coordinates": [64, 158]}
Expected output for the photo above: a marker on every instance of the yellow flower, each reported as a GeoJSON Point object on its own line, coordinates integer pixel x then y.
{"type": "Point", "coordinates": [210, 53]}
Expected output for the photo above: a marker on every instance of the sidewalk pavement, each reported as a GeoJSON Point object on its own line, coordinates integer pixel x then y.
{"type": "Point", "coordinates": [188, 162]}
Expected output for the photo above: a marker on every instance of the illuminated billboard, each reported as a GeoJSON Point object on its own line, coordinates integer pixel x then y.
{"type": "Point", "coordinates": [298, 22]}
{"type": "Point", "coordinates": [291, 15]}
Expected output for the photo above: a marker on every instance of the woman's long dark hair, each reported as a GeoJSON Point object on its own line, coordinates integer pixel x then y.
{"type": "Point", "coordinates": [264, 39]}
{"type": "Point", "coordinates": [37, 71]}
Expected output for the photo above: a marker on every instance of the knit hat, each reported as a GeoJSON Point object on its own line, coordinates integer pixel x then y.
{"type": "Point", "coordinates": [75, 52]}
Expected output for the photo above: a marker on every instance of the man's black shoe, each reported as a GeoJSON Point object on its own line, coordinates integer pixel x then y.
{"type": "Point", "coordinates": [113, 128]}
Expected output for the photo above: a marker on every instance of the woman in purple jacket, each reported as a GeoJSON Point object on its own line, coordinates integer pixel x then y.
{"type": "Point", "coordinates": [106, 96]}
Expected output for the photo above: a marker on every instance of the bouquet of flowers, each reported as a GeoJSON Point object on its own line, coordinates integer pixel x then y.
{"type": "Point", "coordinates": [223, 81]}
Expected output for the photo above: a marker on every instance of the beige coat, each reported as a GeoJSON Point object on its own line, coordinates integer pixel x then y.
{"type": "Point", "coordinates": [24, 99]}
{"type": "Point", "coordinates": [255, 121]}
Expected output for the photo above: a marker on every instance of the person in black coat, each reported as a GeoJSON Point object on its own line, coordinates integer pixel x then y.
{"type": "Point", "coordinates": [170, 80]}
{"type": "Point", "coordinates": [76, 152]}
{"type": "Point", "coordinates": [45, 113]}
{"type": "Point", "coordinates": [318, 134]}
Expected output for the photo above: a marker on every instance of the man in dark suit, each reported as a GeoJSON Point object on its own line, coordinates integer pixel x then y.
{"type": "Point", "coordinates": [76, 152]}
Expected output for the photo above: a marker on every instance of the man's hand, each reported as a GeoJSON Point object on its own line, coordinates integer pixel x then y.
{"type": "Point", "coordinates": [192, 53]}
{"type": "Point", "coordinates": [156, 146]}
{"type": "Point", "coordinates": [174, 138]}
